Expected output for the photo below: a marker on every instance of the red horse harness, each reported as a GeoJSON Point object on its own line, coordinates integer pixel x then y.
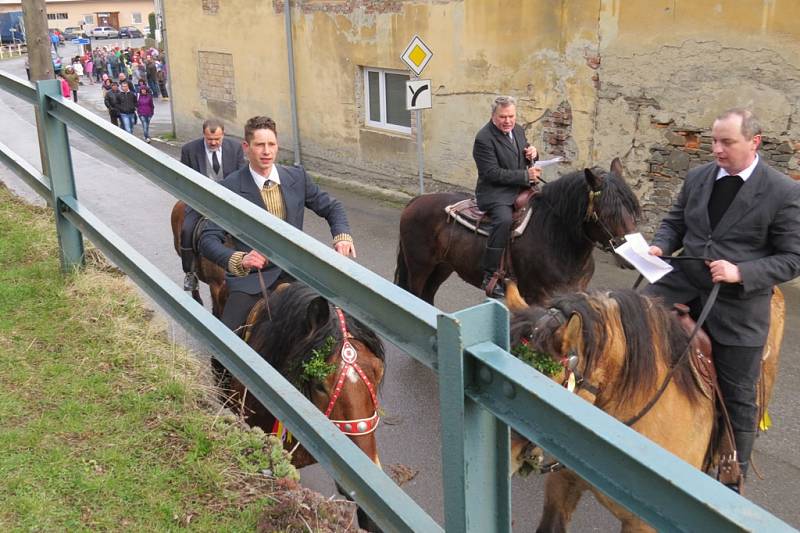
{"type": "Point", "coordinates": [349, 355]}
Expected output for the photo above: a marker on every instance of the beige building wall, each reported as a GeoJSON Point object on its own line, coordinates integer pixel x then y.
{"type": "Point", "coordinates": [71, 13]}
{"type": "Point", "coordinates": [639, 79]}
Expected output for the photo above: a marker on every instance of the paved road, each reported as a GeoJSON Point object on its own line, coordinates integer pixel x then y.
{"type": "Point", "coordinates": [134, 207]}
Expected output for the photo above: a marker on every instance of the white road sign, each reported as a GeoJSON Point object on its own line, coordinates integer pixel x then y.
{"type": "Point", "coordinates": [417, 55]}
{"type": "Point", "coordinates": [418, 94]}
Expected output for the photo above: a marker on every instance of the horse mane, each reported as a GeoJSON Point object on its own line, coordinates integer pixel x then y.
{"type": "Point", "coordinates": [651, 333]}
{"type": "Point", "coordinates": [560, 209]}
{"type": "Point", "coordinates": [287, 341]}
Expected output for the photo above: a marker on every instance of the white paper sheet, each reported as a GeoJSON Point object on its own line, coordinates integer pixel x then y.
{"type": "Point", "coordinates": [635, 251]}
{"type": "Point", "coordinates": [548, 162]}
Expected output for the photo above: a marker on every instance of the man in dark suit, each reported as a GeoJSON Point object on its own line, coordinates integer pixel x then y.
{"type": "Point", "coordinates": [214, 156]}
{"type": "Point", "coordinates": [283, 191]}
{"type": "Point", "coordinates": [745, 216]}
{"type": "Point", "coordinates": [503, 156]}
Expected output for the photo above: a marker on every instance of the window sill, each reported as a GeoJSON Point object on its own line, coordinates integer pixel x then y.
{"type": "Point", "coordinates": [390, 133]}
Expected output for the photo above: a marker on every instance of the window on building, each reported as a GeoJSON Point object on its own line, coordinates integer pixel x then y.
{"type": "Point", "coordinates": [88, 19]}
{"type": "Point", "coordinates": [57, 16]}
{"type": "Point", "coordinates": [136, 18]}
{"type": "Point", "coordinates": [385, 100]}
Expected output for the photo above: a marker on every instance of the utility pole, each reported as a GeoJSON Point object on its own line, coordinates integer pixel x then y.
{"type": "Point", "coordinates": [40, 63]}
{"type": "Point", "coordinates": [34, 12]}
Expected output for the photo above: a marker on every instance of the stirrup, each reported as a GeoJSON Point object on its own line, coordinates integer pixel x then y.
{"type": "Point", "coordinates": [190, 282]}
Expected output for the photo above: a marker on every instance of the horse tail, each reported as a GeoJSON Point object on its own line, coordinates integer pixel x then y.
{"type": "Point", "coordinates": [401, 270]}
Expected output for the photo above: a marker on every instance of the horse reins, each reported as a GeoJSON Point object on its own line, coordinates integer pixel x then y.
{"type": "Point", "coordinates": [349, 356]}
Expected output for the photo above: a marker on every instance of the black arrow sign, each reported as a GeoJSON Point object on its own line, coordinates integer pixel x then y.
{"type": "Point", "coordinates": [416, 93]}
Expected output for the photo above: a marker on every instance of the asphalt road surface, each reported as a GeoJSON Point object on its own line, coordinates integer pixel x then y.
{"type": "Point", "coordinates": [409, 435]}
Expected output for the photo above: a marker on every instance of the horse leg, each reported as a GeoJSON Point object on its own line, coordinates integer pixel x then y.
{"type": "Point", "coordinates": [562, 493]}
{"type": "Point", "coordinates": [364, 521]}
{"type": "Point", "coordinates": [439, 275]}
{"type": "Point", "coordinates": [196, 296]}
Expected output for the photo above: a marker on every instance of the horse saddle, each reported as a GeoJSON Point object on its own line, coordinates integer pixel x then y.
{"type": "Point", "coordinates": [467, 214]}
{"type": "Point", "coordinates": [196, 232]}
{"type": "Point", "coordinates": [701, 362]}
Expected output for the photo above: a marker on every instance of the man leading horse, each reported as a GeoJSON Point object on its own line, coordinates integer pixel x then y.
{"type": "Point", "coordinates": [283, 191]}
{"type": "Point", "coordinates": [504, 160]}
{"type": "Point", "coordinates": [744, 216]}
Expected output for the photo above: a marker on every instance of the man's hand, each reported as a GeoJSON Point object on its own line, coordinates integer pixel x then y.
{"type": "Point", "coordinates": [724, 271]}
{"type": "Point", "coordinates": [530, 152]}
{"type": "Point", "coordinates": [254, 260]}
{"type": "Point", "coordinates": [346, 248]}
{"type": "Point", "coordinates": [533, 175]}
{"type": "Point", "coordinates": [656, 251]}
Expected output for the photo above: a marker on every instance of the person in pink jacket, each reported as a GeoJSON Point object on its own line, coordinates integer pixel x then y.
{"type": "Point", "coordinates": [145, 109]}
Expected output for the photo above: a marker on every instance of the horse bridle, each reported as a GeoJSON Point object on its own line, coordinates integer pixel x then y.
{"type": "Point", "coordinates": [574, 379]}
{"type": "Point", "coordinates": [591, 216]}
{"type": "Point", "coordinates": [349, 357]}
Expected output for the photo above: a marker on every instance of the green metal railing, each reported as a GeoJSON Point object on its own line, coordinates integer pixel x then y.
{"type": "Point", "coordinates": [483, 389]}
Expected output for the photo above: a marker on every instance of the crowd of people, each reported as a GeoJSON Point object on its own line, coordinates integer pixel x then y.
{"type": "Point", "coordinates": [131, 80]}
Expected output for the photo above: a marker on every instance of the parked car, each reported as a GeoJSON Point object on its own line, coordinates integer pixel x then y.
{"type": "Point", "coordinates": [104, 32]}
{"type": "Point", "coordinates": [73, 32]}
{"type": "Point", "coordinates": [130, 32]}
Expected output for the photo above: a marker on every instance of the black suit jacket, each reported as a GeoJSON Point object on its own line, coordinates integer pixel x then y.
{"type": "Point", "coordinates": [760, 233]}
{"type": "Point", "coordinates": [502, 170]}
{"type": "Point", "coordinates": [193, 154]}
{"type": "Point", "coordinates": [299, 192]}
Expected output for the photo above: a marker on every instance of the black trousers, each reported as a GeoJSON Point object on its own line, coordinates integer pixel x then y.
{"type": "Point", "coordinates": [738, 370]}
{"type": "Point", "coordinates": [187, 254]}
{"type": "Point", "coordinates": [500, 218]}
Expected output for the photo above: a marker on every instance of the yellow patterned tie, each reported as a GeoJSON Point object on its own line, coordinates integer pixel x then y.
{"type": "Point", "coordinates": [273, 199]}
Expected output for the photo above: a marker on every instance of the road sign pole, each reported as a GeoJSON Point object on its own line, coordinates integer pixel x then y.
{"type": "Point", "coordinates": [420, 159]}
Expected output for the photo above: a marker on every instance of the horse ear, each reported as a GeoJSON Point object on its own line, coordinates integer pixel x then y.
{"type": "Point", "coordinates": [318, 313]}
{"type": "Point", "coordinates": [572, 336]}
{"type": "Point", "coordinates": [514, 300]}
{"type": "Point", "coordinates": [595, 182]}
{"type": "Point", "coordinates": [616, 167]}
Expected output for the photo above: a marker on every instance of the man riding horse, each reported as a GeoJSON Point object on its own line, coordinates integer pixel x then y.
{"type": "Point", "coordinates": [504, 160]}
{"type": "Point", "coordinates": [283, 191]}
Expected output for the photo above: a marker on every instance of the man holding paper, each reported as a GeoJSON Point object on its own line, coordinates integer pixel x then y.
{"type": "Point", "coordinates": [504, 160]}
{"type": "Point", "coordinates": [744, 217]}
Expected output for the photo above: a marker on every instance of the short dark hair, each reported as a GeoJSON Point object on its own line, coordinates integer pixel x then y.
{"type": "Point", "coordinates": [213, 124]}
{"type": "Point", "coordinates": [258, 123]}
{"type": "Point", "coordinates": [751, 126]}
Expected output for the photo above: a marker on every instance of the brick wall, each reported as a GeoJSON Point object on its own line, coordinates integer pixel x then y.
{"type": "Point", "coordinates": [217, 86]}
{"type": "Point", "coordinates": [685, 148]}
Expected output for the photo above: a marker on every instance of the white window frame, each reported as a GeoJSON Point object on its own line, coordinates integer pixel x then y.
{"type": "Point", "coordinates": [88, 19]}
{"type": "Point", "coordinates": [382, 124]}
{"type": "Point", "coordinates": [134, 17]}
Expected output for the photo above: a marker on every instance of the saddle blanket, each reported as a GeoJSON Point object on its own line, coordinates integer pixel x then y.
{"type": "Point", "coordinates": [467, 214]}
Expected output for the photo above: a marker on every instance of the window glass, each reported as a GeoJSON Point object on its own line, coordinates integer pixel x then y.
{"type": "Point", "coordinates": [396, 100]}
{"type": "Point", "coordinates": [374, 89]}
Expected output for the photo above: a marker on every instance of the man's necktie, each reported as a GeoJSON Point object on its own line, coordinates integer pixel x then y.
{"type": "Point", "coordinates": [215, 162]}
{"type": "Point", "coordinates": [273, 199]}
{"type": "Point", "coordinates": [725, 190]}
{"type": "Point", "coordinates": [511, 140]}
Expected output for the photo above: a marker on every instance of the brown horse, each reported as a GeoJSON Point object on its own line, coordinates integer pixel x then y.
{"type": "Point", "coordinates": [336, 361]}
{"type": "Point", "coordinates": [207, 271]}
{"type": "Point", "coordinates": [554, 254]}
{"type": "Point", "coordinates": [626, 343]}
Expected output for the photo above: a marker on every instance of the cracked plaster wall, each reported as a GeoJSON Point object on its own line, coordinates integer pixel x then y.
{"type": "Point", "coordinates": [594, 79]}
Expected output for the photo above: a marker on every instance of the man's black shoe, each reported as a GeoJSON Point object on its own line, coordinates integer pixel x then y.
{"type": "Point", "coordinates": [497, 292]}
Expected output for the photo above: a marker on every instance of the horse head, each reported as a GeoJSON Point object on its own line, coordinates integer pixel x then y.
{"type": "Point", "coordinates": [334, 360]}
{"type": "Point", "coordinates": [347, 386]}
{"type": "Point", "coordinates": [612, 210]}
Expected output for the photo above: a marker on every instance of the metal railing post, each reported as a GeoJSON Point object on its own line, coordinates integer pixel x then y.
{"type": "Point", "coordinates": [62, 181]}
{"type": "Point", "coordinates": [475, 444]}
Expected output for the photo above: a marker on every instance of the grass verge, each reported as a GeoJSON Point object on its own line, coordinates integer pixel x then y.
{"type": "Point", "coordinates": [104, 424]}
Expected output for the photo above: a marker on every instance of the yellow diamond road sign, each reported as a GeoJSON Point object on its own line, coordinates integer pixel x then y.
{"type": "Point", "coordinates": [417, 55]}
